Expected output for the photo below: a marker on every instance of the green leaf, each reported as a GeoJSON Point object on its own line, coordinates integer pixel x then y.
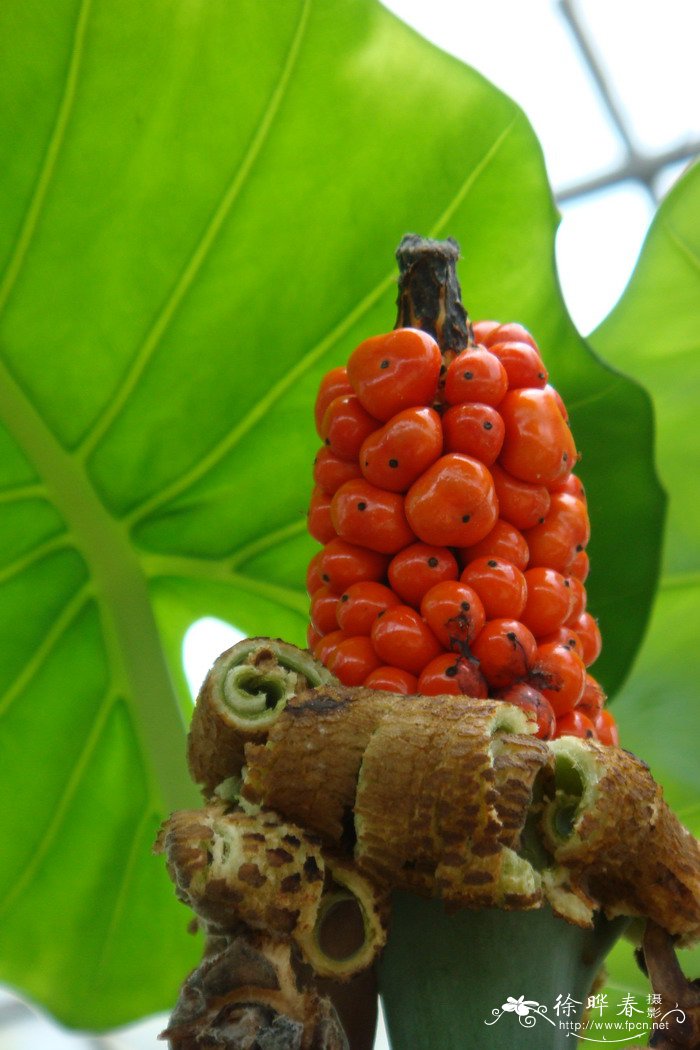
{"type": "Point", "coordinates": [201, 206]}
{"type": "Point", "coordinates": [653, 335]}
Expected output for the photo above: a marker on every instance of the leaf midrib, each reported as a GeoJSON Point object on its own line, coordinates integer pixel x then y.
{"type": "Point", "coordinates": [136, 659]}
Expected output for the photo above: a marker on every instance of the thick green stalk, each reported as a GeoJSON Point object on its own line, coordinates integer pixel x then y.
{"type": "Point", "coordinates": [444, 979]}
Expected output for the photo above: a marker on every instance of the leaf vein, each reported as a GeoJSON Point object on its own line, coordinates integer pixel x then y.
{"type": "Point", "coordinates": [61, 808]}
{"type": "Point", "coordinates": [53, 149]}
{"type": "Point", "coordinates": [259, 546]}
{"type": "Point", "coordinates": [127, 874]}
{"type": "Point", "coordinates": [56, 543]}
{"type": "Point", "coordinates": [278, 390]}
{"type": "Point", "coordinates": [59, 627]}
{"type": "Point", "coordinates": [216, 572]}
{"type": "Point", "coordinates": [21, 493]}
{"type": "Point", "coordinates": [145, 352]}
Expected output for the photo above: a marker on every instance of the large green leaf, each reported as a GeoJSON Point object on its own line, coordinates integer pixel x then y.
{"type": "Point", "coordinates": [653, 333]}
{"type": "Point", "coordinates": [202, 198]}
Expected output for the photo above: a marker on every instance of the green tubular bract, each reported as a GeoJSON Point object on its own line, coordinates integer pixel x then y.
{"type": "Point", "coordinates": [256, 679]}
{"type": "Point", "coordinates": [242, 696]}
{"type": "Point", "coordinates": [575, 778]}
{"type": "Point", "coordinates": [365, 920]}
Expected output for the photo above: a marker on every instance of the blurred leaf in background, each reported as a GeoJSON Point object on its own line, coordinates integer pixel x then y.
{"type": "Point", "coordinates": [653, 334]}
{"type": "Point", "coordinates": [201, 203]}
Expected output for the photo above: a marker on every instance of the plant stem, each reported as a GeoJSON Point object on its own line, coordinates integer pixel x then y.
{"type": "Point", "coordinates": [442, 977]}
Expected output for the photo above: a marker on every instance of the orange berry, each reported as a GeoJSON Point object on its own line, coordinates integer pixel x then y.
{"type": "Point", "coordinates": [417, 568]}
{"type": "Point", "coordinates": [403, 639]}
{"type": "Point", "coordinates": [352, 660]}
{"type": "Point", "coordinates": [476, 430]}
{"type": "Point", "coordinates": [345, 426]}
{"type": "Point", "coordinates": [330, 471]}
{"type": "Point", "coordinates": [452, 675]}
{"type": "Point", "coordinates": [521, 504]}
{"type": "Point", "coordinates": [586, 627]}
{"type": "Point", "coordinates": [560, 675]}
{"type": "Point", "coordinates": [453, 504]}
{"type": "Point", "coordinates": [499, 584]}
{"type": "Point", "coordinates": [475, 375]}
{"type": "Point", "coordinates": [392, 680]}
{"type": "Point", "coordinates": [318, 518]}
{"type": "Point", "coordinates": [606, 729]}
{"type": "Point", "coordinates": [548, 600]}
{"type": "Point", "coordinates": [575, 723]}
{"type": "Point", "coordinates": [359, 606]}
{"type": "Point", "coordinates": [522, 362]}
{"type": "Point", "coordinates": [455, 614]}
{"type": "Point", "coordinates": [323, 616]}
{"type": "Point", "coordinates": [395, 371]}
{"type": "Point", "coordinates": [370, 517]}
{"type": "Point", "coordinates": [505, 649]}
{"type": "Point", "coordinates": [511, 330]}
{"type": "Point", "coordinates": [313, 574]}
{"type": "Point", "coordinates": [398, 453]}
{"type": "Point", "coordinates": [535, 706]}
{"type": "Point", "coordinates": [343, 564]}
{"type": "Point", "coordinates": [593, 699]}
{"type": "Point", "coordinates": [327, 645]}
{"type": "Point", "coordinates": [538, 446]}
{"type": "Point", "coordinates": [503, 541]}
{"type": "Point", "coordinates": [334, 384]}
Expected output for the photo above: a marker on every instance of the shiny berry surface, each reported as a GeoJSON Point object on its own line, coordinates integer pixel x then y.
{"type": "Point", "coordinates": [359, 606]}
{"type": "Point", "coordinates": [323, 616]}
{"type": "Point", "coordinates": [506, 651]}
{"type": "Point", "coordinates": [475, 375]}
{"type": "Point", "coordinates": [398, 453]}
{"type": "Point", "coordinates": [370, 517]}
{"type": "Point", "coordinates": [353, 660]}
{"type": "Point", "coordinates": [392, 680]}
{"type": "Point", "coordinates": [606, 729]}
{"type": "Point", "coordinates": [455, 614]}
{"type": "Point", "coordinates": [500, 585]}
{"type": "Point", "coordinates": [560, 675]}
{"type": "Point", "coordinates": [334, 384]}
{"type": "Point", "coordinates": [503, 541]}
{"type": "Point", "coordinates": [342, 564]}
{"type": "Point", "coordinates": [345, 426]}
{"type": "Point", "coordinates": [330, 471]}
{"type": "Point", "coordinates": [548, 600]}
{"type": "Point", "coordinates": [318, 519]}
{"type": "Point", "coordinates": [522, 362]}
{"type": "Point", "coordinates": [395, 371]}
{"type": "Point", "coordinates": [402, 638]}
{"type": "Point", "coordinates": [575, 723]}
{"type": "Point", "coordinates": [417, 568]}
{"type": "Point", "coordinates": [452, 675]}
{"type": "Point", "coordinates": [538, 446]}
{"type": "Point", "coordinates": [521, 504]}
{"type": "Point", "coordinates": [475, 429]}
{"type": "Point", "coordinates": [453, 504]}
{"type": "Point", "coordinates": [511, 331]}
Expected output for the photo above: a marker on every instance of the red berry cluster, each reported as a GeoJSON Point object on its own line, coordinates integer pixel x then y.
{"type": "Point", "coordinates": [453, 529]}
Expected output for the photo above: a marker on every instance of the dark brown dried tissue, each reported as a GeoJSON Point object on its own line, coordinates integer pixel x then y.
{"type": "Point", "coordinates": [330, 794]}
